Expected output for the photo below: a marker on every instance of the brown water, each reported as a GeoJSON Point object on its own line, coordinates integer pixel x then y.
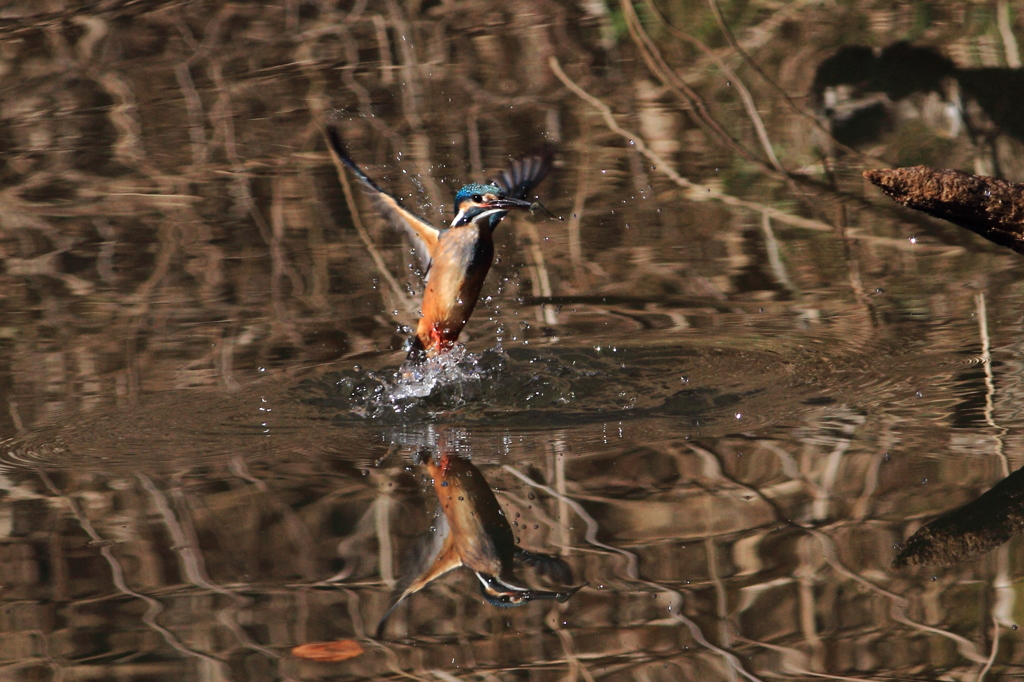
{"type": "Point", "coordinates": [722, 397]}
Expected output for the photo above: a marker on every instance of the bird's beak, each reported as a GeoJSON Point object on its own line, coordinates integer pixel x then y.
{"type": "Point", "coordinates": [510, 203]}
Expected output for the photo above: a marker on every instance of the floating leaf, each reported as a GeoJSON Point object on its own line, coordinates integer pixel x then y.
{"type": "Point", "coordinates": [328, 652]}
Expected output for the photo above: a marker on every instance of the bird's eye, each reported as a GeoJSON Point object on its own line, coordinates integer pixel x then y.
{"type": "Point", "coordinates": [477, 198]}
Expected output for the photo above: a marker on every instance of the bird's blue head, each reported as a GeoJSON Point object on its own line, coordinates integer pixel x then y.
{"type": "Point", "coordinates": [475, 203]}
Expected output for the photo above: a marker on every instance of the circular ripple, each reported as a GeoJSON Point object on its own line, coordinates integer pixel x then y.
{"type": "Point", "coordinates": [174, 431]}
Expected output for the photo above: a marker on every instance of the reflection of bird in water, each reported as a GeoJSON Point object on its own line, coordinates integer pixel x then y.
{"type": "Point", "coordinates": [458, 257]}
{"type": "Point", "coordinates": [474, 532]}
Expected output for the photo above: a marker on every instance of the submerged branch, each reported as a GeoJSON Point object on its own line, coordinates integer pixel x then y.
{"type": "Point", "coordinates": [990, 207]}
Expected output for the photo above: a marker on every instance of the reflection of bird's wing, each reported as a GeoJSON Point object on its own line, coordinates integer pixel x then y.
{"type": "Point", "coordinates": [551, 566]}
{"type": "Point", "coordinates": [436, 558]}
{"type": "Point", "coordinates": [423, 234]}
{"type": "Point", "coordinates": [524, 174]}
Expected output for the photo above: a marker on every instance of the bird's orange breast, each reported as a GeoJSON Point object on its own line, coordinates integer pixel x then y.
{"type": "Point", "coordinates": [471, 508]}
{"type": "Point", "coordinates": [460, 264]}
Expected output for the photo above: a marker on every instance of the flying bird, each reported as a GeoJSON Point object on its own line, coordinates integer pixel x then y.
{"type": "Point", "coordinates": [457, 257]}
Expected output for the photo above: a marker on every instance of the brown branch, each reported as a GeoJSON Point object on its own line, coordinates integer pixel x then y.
{"type": "Point", "coordinates": [990, 207]}
{"type": "Point", "coordinates": [975, 528]}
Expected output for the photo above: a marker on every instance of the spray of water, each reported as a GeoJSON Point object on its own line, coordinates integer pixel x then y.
{"type": "Point", "coordinates": [439, 384]}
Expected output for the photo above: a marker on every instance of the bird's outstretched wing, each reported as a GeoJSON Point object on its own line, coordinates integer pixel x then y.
{"type": "Point", "coordinates": [523, 174]}
{"type": "Point", "coordinates": [423, 234]}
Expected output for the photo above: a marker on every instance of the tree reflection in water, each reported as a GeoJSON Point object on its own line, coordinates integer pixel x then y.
{"type": "Point", "coordinates": [731, 380]}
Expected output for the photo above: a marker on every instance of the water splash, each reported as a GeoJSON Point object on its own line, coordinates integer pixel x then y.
{"type": "Point", "coordinates": [527, 386]}
{"type": "Point", "coordinates": [439, 384]}
{"type": "Point", "coordinates": [457, 368]}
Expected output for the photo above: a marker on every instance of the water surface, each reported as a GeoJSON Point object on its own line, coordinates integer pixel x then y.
{"type": "Point", "coordinates": [722, 395]}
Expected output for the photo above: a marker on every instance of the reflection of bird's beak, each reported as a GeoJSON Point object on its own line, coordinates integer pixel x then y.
{"type": "Point", "coordinates": [500, 593]}
{"type": "Point", "coordinates": [510, 203]}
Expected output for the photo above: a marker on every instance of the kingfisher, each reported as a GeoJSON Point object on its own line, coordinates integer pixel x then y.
{"type": "Point", "coordinates": [473, 531]}
{"type": "Point", "coordinates": [457, 258]}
